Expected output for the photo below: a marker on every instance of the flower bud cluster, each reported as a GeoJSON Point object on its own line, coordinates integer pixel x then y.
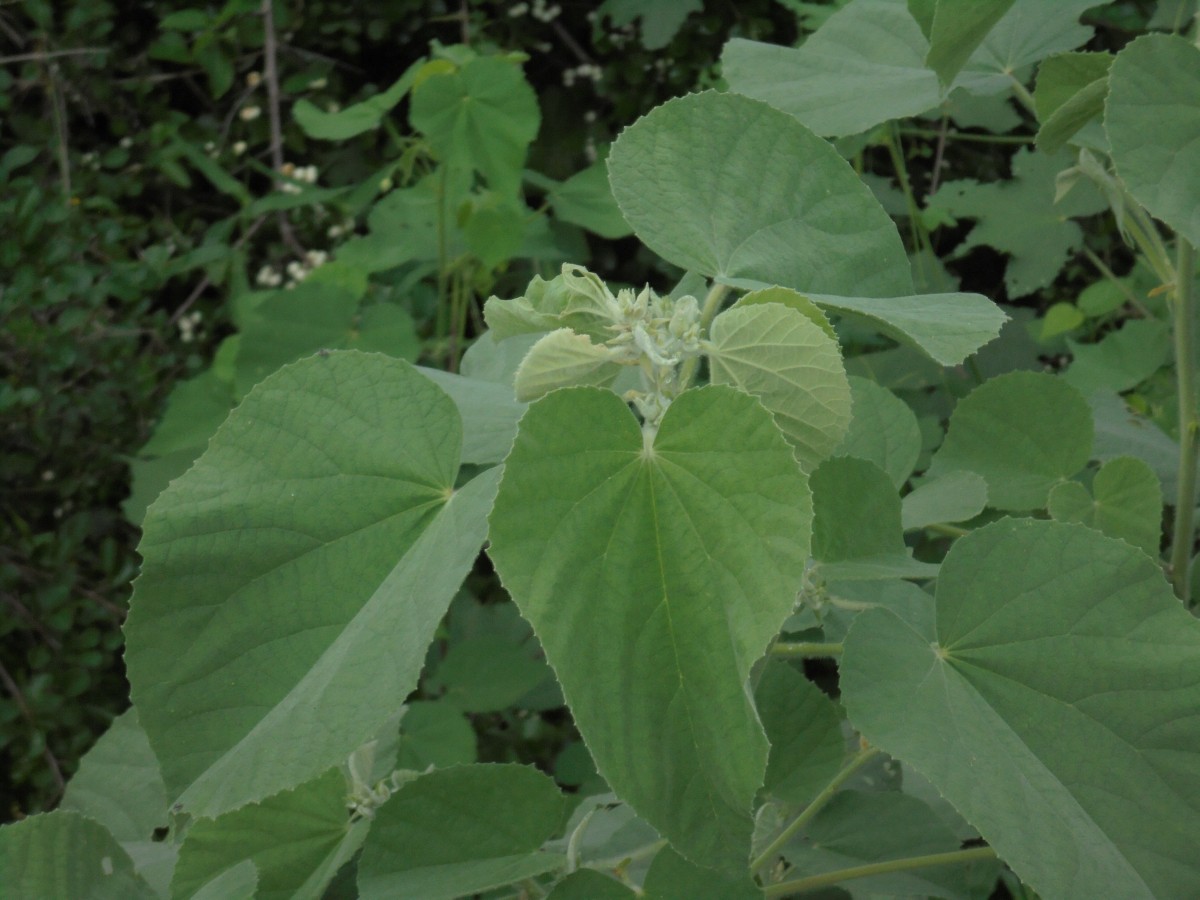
{"type": "Point", "coordinates": [658, 334]}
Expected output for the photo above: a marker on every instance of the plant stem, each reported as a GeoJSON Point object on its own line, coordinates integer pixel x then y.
{"type": "Point", "coordinates": [806, 650]}
{"type": "Point", "coordinates": [863, 757]}
{"type": "Point", "coordinates": [1022, 93]}
{"type": "Point", "coordinates": [271, 78]}
{"type": "Point", "coordinates": [442, 324]}
{"type": "Point", "coordinates": [961, 136]}
{"type": "Point", "coordinates": [708, 312]}
{"type": "Point", "coordinates": [919, 238]}
{"type": "Point", "coordinates": [1103, 269]}
{"type": "Point", "coordinates": [948, 530]}
{"type": "Point", "coordinates": [826, 879]}
{"type": "Point", "coordinates": [1185, 374]}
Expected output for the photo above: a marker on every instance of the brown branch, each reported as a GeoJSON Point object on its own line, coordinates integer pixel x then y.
{"type": "Point", "coordinates": [50, 54]}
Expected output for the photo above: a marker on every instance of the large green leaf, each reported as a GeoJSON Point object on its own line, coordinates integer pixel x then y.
{"type": "Point", "coordinates": [792, 366]}
{"type": "Point", "coordinates": [585, 199]}
{"type": "Point", "coordinates": [294, 577]}
{"type": "Point", "coordinates": [954, 497]}
{"type": "Point", "coordinates": [864, 66]}
{"type": "Point", "coordinates": [655, 576]}
{"type": "Point", "coordinates": [671, 877]}
{"type": "Point", "coordinates": [958, 27]}
{"type": "Point", "coordinates": [1122, 432]}
{"type": "Point", "coordinates": [1153, 124]}
{"type": "Point", "coordinates": [790, 212]}
{"type": "Point", "coordinates": [1029, 32]}
{"type": "Point", "coordinates": [63, 855]}
{"type": "Point", "coordinates": [460, 831]}
{"type": "Point", "coordinates": [483, 115]}
{"type": "Point", "coordinates": [297, 841]}
{"type": "Point", "coordinates": [1122, 359]}
{"type": "Point", "coordinates": [1024, 432]}
{"type": "Point", "coordinates": [489, 411]}
{"type": "Point", "coordinates": [1054, 704]}
{"type": "Point", "coordinates": [588, 884]}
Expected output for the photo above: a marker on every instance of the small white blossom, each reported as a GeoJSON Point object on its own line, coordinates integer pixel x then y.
{"type": "Point", "coordinates": [249, 113]}
{"type": "Point", "coordinates": [253, 79]}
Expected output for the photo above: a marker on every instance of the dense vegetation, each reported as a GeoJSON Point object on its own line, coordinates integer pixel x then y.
{"type": "Point", "coordinates": [905, 321]}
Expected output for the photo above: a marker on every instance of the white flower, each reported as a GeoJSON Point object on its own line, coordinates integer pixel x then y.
{"type": "Point", "coordinates": [249, 113]}
{"type": "Point", "coordinates": [253, 79]}
{"type": "Point", "coordinates": [239, 147]}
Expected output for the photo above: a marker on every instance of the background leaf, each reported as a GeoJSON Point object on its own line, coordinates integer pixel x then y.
{"type": "Point", "coordinates": [1125, 502]}
{"type": "Point", "coordinates": [1055, 707]}
{"type": "Point", "coordinates": [1024, 432]}
{"type": "Point", "coordinates": [654, 579]}
{"type": "Point", "coordinates": [958, 27]}
{"type": "Point", "coordinates": [883, 430]}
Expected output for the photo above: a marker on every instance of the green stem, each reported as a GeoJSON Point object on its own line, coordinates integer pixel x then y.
{"type": "Point", "coordinates": [961, 136]}
{"type": "Point", "coordinates": [919, 238]}
{"type": "Point", "coordinates": [863, 757]}
{"type": "Point", "coordinates": [827, 879]}
{"type": "Point", "coordinates": [1022, 93]}
{"type": "Point", "coordinates": [1185, 374]}
{"type": "Point", "coordinates": [708, 312]}
{"type": "Point", "coordinates": [805, 650]}
{"type": "Point", "coordinates": [1103, 269]}
{"type": "Point", "coordinates": [948, 530]}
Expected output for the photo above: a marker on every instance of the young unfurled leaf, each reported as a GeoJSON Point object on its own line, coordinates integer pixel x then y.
{"type": "Point", "coordinates": [564, 359]}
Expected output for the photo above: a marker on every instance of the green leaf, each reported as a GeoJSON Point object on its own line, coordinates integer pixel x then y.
{"type": "Point", "coordinates": [661, 19]}
{"type": "Point", "coordinates": [958, 27]}
{"type": "Point", "coordinates": [946, 328]}
{"type": "Point", "coordinates": [564, 359]}
{"type": "Point", "coordinates": [64, 855]}
{"type": "Point", "coordinates": [654, 577]}
{"type": "Point", "coordinates": [586, 199]}
{"type": "Point", "coordinates": [863, 67]}
{"type": "Point", "coordinates": [1122, 359]}
{"type": "Point", "coordinates": [461, 831]}
{"type": "Point", "coordinates": [118, 783]}
{"type": "Point", "coordinates": [489, 413]}
{"type": "Point", "coordinates": [671, 877]}
{"type": "Point", "coordinates": [805, 732]}
{"type": "Point", "coordinates": [1019, 217]}
{"type": "Point", "coordinates": [1122, 432]}
{"type": "Point", "coordinates": [883, 430]}
{"type": "Point", "coordinates": [856, 511]}
{"type": "Point", "coordinates": [1153, 125]}
{"type": "Point", "coordinates": [487, 673]}
{"type": "Point", "coordinates": [355, 119]}
{"type": "Point", "coordinates": [1072, 116]}
{"type": "Point", "coordinates": [1024, 432]}
{"type": "Point", "coordinates": [238, 882]}
{"type": "Point", "coordinates": [294, 577]}
{"type": "Point", "coordinates": [1054, 705]}
{"type": "Point", "coordinates": [1070, 93]}
{"type": "Point", "coordinates": [790, 299]}
{"type": "Point", "coordinates": [1063, 76]}
{"type": "Point", "coordinates": [483, 116]}
{"type": "Point", "coordinates": [195, 408]}
{"type": "Point", "coordinates": [289, 325]}
{"type": "Point", "coordinates": [859, 828]}
{"type": "Point", "coordinates": [1029, 32]}
{"type": "Point", "coordinates": [435, 734]}
{"type": "Point", "coordinates": [1125, 502]}
{"type": "Point", "coordinates": [792, 366]}
{"type": "Point", "coordinates": [1058, 320]}
{"type": "Point", "coordinates": [297, 841]}
{"type": "Point", "coordinates": [588, 884]}
{"type": "Point", "coordinates": [954, 497]}
{"type": "Point", "coordinates": [791, 212]}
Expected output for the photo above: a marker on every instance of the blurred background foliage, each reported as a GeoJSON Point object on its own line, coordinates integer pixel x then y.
{"type": "Point", "coordinates": [193, 194]}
